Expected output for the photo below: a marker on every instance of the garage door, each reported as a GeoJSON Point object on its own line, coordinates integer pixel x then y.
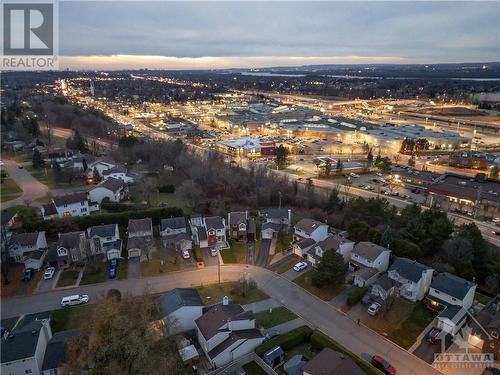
{"type": "Point", "coordinates": [113, 254]}
{"type": "Point", "coordinates": [134, 253]}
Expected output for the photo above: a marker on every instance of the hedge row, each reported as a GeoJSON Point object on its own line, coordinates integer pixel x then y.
{"type": "Point", "coordinates": [198, 254]}
{"type": "Point", "coordinates": [356, 296]}
{"type": "Point", "coordinates": [167, 189]}
{"type": "Point", "coordinates": [286, 341]}
{"type": "Point", "coordinates": [320, 341]}
{"type": "Point", "coordinates": [117, 207]}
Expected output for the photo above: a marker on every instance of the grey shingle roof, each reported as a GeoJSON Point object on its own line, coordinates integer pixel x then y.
{"type": "Point", "coordinates": [214, 222]}
{"type": "Point", "coordinates": [384, 282]}
{"type": "Point", "coordinates": [21, 343]}
{"type": "Point", "coordinates": [215, 317]}
{"type": "Point", "coordinates": [173, 223]}
{"type": "Point", "coordinates": [275, 213]}
{"type": "Point", "coordinates": [368, 250]}
{"type": "Point", "coordinates": [329, 361]}
{"type": "Point", "coordinates": [409, 269]}
{"type": "Point", "coordinates": [24, 239]}
{"type": "Point", "coordinates": [235, 336]}
{"type": "Point", "coordinates": [105, 230]}
{"type": "Point", "coordinates": [308, 225]}
{"type": "Point", "coordinates": [49, 209]}
{"type": "Point", "coordinates": [236, 218]}
{"type": "Point", "coordinates": [452, 285]}
{"type": "Point", "coordinates": [55, 354]}
{"type": "Point", "coordinates": [177, 298]}
{"type": "Point", "coordinates": [139, 225]}
{"type": "Point", "coordinates": [70, 240]}
{"type": "Point", "coordinates": [112, 184]}
{"type": "Point", "coordinates": [61, 200]}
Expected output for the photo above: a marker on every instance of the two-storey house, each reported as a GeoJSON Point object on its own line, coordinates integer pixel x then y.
{"type": "Point", "coordinates": [227, 332]}
{"type": "Point", "coordinates": [307, 230]}
{"type": "Point", "coordinates": [170, 229]}
{"type": "Point", "coordinates": [70, 249]}
{"type": "Point", "coordinates": [216, 231]}
{"type": "Point", "coordinates": [104, 240]}
{"type": "Point", "coordinates": [238, 225]}
{"type": "Point", "coordinates": [140, 238]}
{"type": "Point", "coordinates": [280, 216]}
{"type": "Point", "coordinates": [70, 205]}
{"type": "Point", "coordinates": [412, 279]}
{"type": "Point", "coordinates": [114, 189]}
{"type": "Point", "coordinates": [333, 242]}
{"type": "Point", "coordinates": [21, 243]}
{"type": "Point", "coordinates": [452, 296]}
{"type": "Point", "coordinates": [367, 261]}
{"type": "Point", "coordinates": [119, 173]}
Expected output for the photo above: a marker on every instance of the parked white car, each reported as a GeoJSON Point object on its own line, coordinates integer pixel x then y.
{"type": "Point", "coordinates": [185, 254]}
{"type": "Point", "coordinates": [300, 266]}
{"type": "Point", "coordinates": [213, 252]}
{"type": "Point", "coordinates": [354, 175]}
{"type": "Point", "coordinates": [374, 308]}
{"type": "Point", "coordinates": [49, 273]}
{"type": "Point", "coordinates": [77, 299]}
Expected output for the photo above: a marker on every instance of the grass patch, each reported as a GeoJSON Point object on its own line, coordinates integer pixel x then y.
{"type": "Point", "coordinates": [69, 317]}
{"type": "Point", "coordinates": [215, 293]}
{"type": "Point", "coordinates": [8, 199]}
{"type": "Point", "coordinates": [9, 186]}
{"type": "Point", "coordinates": [95, 272]}
{"type": "Point", "coordinates": [67, 278]}
{"type": "Point", "coordinates": [164, 260]}
{"type": "Point", "coordinates": [123, 269]}
{"type": "Point", "coordinates": [278, 315]}
{"type": "Point", "coordinates": [284, 242]}
{"type": "Point", "coordinates": [403, 322]}
{"type": "Point", "coordinates": [482, 298]}
{"type": "Point", "coordinates": [285, 267]}
{"type": "Point", "coordinates": [302, 349]}
{"type": "Point", "coordinates": [171, 200]}
{"type": "Point", "coordinates": [237, 253]}
{"type": "Point", "coordinates": [326, 293]}
{"type": "Point", "coordinates": [253, 368]}
{"type": "Point", "coordinates": [48, 179]}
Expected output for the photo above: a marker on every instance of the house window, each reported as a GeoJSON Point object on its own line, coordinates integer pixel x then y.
{"type": "Point", "coordinates": [66, 214]}
{"type": "Point", "coordinates": [82, 203]}
{"type": "Point", "coordinates": [453, 299]}
{"type": "Point", "coordinates": [28, 371]}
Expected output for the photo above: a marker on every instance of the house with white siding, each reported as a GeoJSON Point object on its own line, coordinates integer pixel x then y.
{"type": "Point", "coordinates": [179, 309]}
{"type": "Point", "coordinates": [104, 240]}
{"type": "Point", "coordinates": [21, 243]}
{"type": "Point", "coordinates": [69, 205]}
{"type": "Point", "coordinates": [70, 249]}
{"type": "Point", "coordinates": [140, 238]}
{"type": "Point", "coordinates": [333, 242]}
{"type": "Point", "coordinates": [170, 228]}
{"type": "Point", "coordinates": [227, 332]}
{"type": "Point", "coordinates": [367, 261]}
{"type": "Point", "coordinates": [412, 279]}
{"type": "Point", "coordinates": [113, 189]}
{"type": "Point", "coordinates": [119, 173]}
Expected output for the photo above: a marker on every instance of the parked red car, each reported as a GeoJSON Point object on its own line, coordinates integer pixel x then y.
{"type": "Point", "coordinates": [383, 365]}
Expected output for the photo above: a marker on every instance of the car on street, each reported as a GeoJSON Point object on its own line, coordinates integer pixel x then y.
{"type": "Point", "coordinates": [383, 365]}
{"type": "Point", "coordinates": [354, 175]}
{"type": "Point", "coordinates": [112, 272]}
{"type": "Point", "coordinates": [76, 299]}
{"type": "Point", "coordinates": [213, 252]}
{"type": "Point", "coordinates": [496, 232]}
{"type": "Point", "coordinates": [380, 174]}
{"type": "Point", "coordinates": [28, 274]}
{"type": "Point", "coordinates": [433, 335]}
{"type": "Point", "coordinates": [185, 254]}
{"type": "Point", "coordinates": [374, 308]}
{"type": "Point", "coordinates": [20, 166]}
{"type": "Point", "coordinates": [300, 266]}
{"type": "Point", "coordinates": [49, 273]}
{"type": "Point", "coordinates": [496, 220]}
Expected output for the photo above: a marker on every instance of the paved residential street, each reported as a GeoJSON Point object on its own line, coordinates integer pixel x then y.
{"type": "Point", "coordinates": [312, 310]}
{"type": "Point", "coordinates": [31, 187]}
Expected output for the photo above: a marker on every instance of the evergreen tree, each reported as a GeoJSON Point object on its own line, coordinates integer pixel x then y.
{"type": "Point", "coordinates": [37, 161]}
{"type": "Point", "coordinates": [331, 270]}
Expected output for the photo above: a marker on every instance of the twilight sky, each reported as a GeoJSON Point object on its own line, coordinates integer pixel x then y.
{"type": "Point", "coordinates": [186, 35]}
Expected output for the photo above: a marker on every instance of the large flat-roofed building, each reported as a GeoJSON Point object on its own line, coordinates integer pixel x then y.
{"type": "Point", "coordinates": [247, 146]}
{"type": "Point", "coordinates": [456, 191]}
{"type": "Point", "coordinates": [469, 159]}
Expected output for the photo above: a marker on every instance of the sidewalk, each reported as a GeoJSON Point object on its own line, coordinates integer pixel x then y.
{"type": "Point", "coordinates": [288, 326]}
{"type": "Point", "coordinates": [261, 305]}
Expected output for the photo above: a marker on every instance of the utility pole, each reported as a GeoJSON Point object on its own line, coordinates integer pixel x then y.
{"type": "Point", "coordinates": [279, 192]}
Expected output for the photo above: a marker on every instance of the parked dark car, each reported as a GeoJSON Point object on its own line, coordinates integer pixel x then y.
{"type": "Point", "coordinates": [383, 365]}
{"type": "Point", "coordinates": [433, 335]}
{"type": "Point", "coordinates": [113, 268]}
{"type": "Point", "coordinates": [28, 274]}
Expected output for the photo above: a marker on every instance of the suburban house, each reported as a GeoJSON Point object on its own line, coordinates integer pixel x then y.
{"type": "Point", "coordinates": [170, 228]}
{"type": "Point", "coordinates": [105, 240]}
{"type": "Point", "coordinates": [56, 352]}
{"type": "Point", "coordinates": [198, 230]}
{"type": "Point", "coordinates": [21, 243]}
{"type": "Point", "coordinates": [309, 228]}
{"type": "Point", "coordinates": [227, 332]}
{"type": "Point", "coordinates": [412, 279]}
{"type": "Point", "coordinates": [452, 296]}
{"type": "Point", "coordinates": [179, 308]}
{"type": "Point", "coordinates": [9, 219]}
{"type": "Point", "coordinates": [71, 248]}
{"type": "Point", "coordinates": [69, 205]}
{"type": "Point", "coordinates": [49, 211]}
{"type": "Point", "coordinates": [100, 165]}
{"type": "Point", "coordinates": [140, 238]}
{"type": "Point", "coordinates": [24, 348]}
{"type": "Point", "coordinates": [113, 189]}
{"type": "Point", "coordinates": [216, 231]}
{"type": "Point", "coordinates": [331, 242]}
{"type": "Point", "coordinates": [485, 333]}
{"type": "Point", "coordinates": [238, 225]}
{"type": "Point", "coordinates": [383, 288]}
{"type": "Point", "coordinates": [328, 361]}
{"type": "Point", "coordinates": [119, 173]}
{"type": "Point", "coordinates": [281, 216]}
{"type": "Point", "coordinates": [270, 230]}
{"type": "Point", "coordinates": [367, 261]}
{"type": "Point", "coordinates": [302, 247]}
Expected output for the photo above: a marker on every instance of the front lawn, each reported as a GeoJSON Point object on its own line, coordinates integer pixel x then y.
{"type": "Point", "coordinates": [481, 298]}
{"type": "Point", "coordinates": [403, 322]}
{"type": "Point", "coordinates": [286, 266]}
{"type": "Point", "coordinates": [69, 317]}
{"type": "Point", "coordinates": [67, 278]}
{"type": "Point", "coordinates": [123, 269]}
{"type": "Point", "coordinates": [302, 349]}
{"type": "Point", "coordinates": [46, 176]}
{"type": "Point", "coordinates": [215, 292]}
{"type": "Point", "coordinates": [326, 293]}
{"type": "Point", "coordinates": [237, 253]}
{"type": "Point", "coordinates": [164, 260]}
{"type": "Point", "coordinates": [95, 272]}
{"type": "Point", "coordinates": [9, 186]}
{"type": "Point", "coordinates": [278, 315]}
{"type": "Point", "coordinates": [253, 368]}
{"type": "Point", "coordinates": [171, 200]}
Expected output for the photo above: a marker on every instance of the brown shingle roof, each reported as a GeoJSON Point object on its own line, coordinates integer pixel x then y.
{"type": "Point", "coordinates": [112, 184]}
{"type": "Point", "coordinates": [368, 250]}
{"type": "Point", "coordinates": [139, 225]}
{"type": "Point", "coordinates": [236, 218]}
{"type": "Point", "coordinates": [61, 200]}
{"type": "Point", "coordinates": [308, 225]}
{"type": "Point", "coordinates": [214, 222]}
{"type": "Point", "coordinates": [329, 362]}
{"type": "Point", "coordinates": [25, 239]}
{"type": "Point", "coordinates": [215, 317]}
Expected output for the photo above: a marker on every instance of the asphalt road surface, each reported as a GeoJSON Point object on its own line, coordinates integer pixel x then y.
{"type": "Point", "coordinates": [316, 312]}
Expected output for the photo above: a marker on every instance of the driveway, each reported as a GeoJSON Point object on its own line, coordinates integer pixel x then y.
{"type": "Point", "coordinates": [186, 264]}
{"type": "Point", "coordinates": [209, 259]}
{"type": "Point", "coordinates": [291, 274]}
{"type": "Point", "coordinates": [250, 252]}
{"type": "Point", "coordinates": [320, 314]}
{"type": "Point", "coordinates": [31, 187]}
{"type": "Point", "coordinates": [426, 351]}
{"type": "Point", "coordinates": [134, 268]}
{"type": "Point", "coordinates": [46, 285]}
{"type": "Point", "coordinates": [341, 299]}
{"type": "Point", "coordinates": [265, 246]}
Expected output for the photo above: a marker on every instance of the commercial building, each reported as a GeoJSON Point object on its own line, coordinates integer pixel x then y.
{"type": "Point", "coordinates": [247, 146]}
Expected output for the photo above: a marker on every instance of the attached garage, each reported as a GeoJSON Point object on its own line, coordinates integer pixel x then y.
{"type": "Point", "coordinates": [114, 254]}
{"type": "Point", "coordinates": [134, 253]}
{"type": "Point", "coordinates": [451, 319]}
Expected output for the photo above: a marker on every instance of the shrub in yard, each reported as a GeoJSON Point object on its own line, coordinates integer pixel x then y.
{"type": "Point", "coordinates": [286, 341]}
{"type": "Point", "coordinates": [244, 286]}
{"type": "Point", "coordinates": [319, 341]}
{"type": "Point", "coordinates": [356, 296]}
{"type": "Point", "coordinates": [167, 189]}
{"type": "Point", "coordinates": [114, 294]}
